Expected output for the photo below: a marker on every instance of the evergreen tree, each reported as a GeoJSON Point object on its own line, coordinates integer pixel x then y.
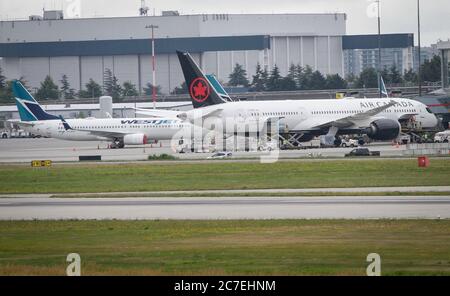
{"type": "Point", "coordinates": [386, 75]}
{"type": "Point", "coordinates": [149, 89]}
{"type": "Point", "coordinates": [368, 79]}
{"type": "Point", "coordinates": [3, 87]}
{"type": "Point", "coordinates": [116, 91]}
{"type": "Point", "coordinates": [274, 81]}
{"type": "Point", "coordinates": [111, 85]}
{"type": "Point", "coordinates": [48, 90]}
{"type": "Point", "coordinates": [2, 80]}
{"type": "Point", "coordinates": [129, 89]}
{"type": "Point", "coordinates": [431, 69]}
{"type": "Point", "coordinates": [305, 77]}
{"type": "Point", "coordinates": [288, 84]}
{"type": "Point", "coordinates": [6, 94]}
{"type": "Point", "coordinates": [410, 76]}
{"type": "Point", "coordinates": [265, 78]}
{"type": "Point", "coordinates": [238, 77]}
{"type": "Point", "coordinates": [66, 91]}
{"type": "Point", "coordinates": [180, 90]}
{"type": "Point", "coordinates": [394, 75]}
{"type": "Point", "coordinates": [93, 90]}
{"type": "Point", "coordinates": [317, 80]}
{"type": "Point", "coordinates": [292, 72]}
{"type": "Point", "coordinates": [258, 83]}
{"type": "Point", "coordinates": [351, 80]}
{"type": "Point", "coordinates": [335, 82]}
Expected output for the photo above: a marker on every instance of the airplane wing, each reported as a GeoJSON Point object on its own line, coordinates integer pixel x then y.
{"type": "Point", "coordinates": [355, 118]}
{"type": "Point", "coordinates": [184, 116]}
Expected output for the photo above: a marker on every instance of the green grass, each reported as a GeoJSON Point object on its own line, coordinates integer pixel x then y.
{"type": "Point", "coordinates": [163, 156]}
{"type": "Point", "coordinates": [281, 247]}
{"type": "Point", "coordinates": [202, 176]}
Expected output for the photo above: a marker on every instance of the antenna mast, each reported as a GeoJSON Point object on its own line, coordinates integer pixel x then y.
{"type": "Point", "coordinates": [143, 11]}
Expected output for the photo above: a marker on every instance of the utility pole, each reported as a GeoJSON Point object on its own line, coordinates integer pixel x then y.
{"type": "Point", "coordinates": [379, 50]}
{"type": "Point", "coordinates": [419, 78]}
{"type": "Point", "coordinates": [153, 27]}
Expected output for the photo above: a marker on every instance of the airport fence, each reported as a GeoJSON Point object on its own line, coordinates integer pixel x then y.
{"type": "Point", "coordinates": [427, 149]}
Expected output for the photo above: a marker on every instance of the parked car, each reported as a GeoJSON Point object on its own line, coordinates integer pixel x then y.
{"type": "Point", "coordinates": [221, 155]}
{"type": "Point", "coordinates": [362, 152]}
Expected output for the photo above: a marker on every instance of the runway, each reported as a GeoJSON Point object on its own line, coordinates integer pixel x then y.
{"type": "Point", "coordinates": [26, 150]}
{"type": "Point", "coordinates": [208, 208]}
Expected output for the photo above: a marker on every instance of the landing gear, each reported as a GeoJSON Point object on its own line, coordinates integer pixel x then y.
{"type": "Point", "coordinates": [338, 142]}
{"type": "Point", "coordinates": [294, 140]}
{"type": "Point", "coordinates": [117, 144]}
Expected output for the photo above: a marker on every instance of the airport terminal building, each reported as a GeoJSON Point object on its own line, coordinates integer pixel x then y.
{"type": "Point", "coordinates": [83, 49]}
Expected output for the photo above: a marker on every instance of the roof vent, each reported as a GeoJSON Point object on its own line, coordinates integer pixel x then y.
{"type": "Point", "coordinates": [53, 15]}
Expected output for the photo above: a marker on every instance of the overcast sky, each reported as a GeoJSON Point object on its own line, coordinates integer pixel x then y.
{"type": "Point", "coordinates": [398, 16]}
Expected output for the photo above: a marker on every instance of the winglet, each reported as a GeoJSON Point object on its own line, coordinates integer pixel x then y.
{"type": "Point", "coordinates": [65, 124]}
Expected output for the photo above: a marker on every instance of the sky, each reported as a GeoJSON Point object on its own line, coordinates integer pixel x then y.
{"type": "Point", "coordinates": [398, 16]}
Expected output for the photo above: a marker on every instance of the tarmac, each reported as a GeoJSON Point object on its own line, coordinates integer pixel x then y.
{"type": "Point", "coordinates": [26, 150]}
{"type": "Point", "coordinates": [224, 208]}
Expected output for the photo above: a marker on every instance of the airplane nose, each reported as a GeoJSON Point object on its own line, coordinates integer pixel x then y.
{"type": "Point", "coordinates": [435, 121]}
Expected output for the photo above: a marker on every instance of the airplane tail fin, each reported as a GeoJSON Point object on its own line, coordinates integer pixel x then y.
{"type": "Point", "coordinates": [29, 108]}
{"type": "Point", "coordinates": [203, 93]}
{"type": "Point", "coordinates": [219, 88]}
{"type": "Point", "coordinates": [383, 87]}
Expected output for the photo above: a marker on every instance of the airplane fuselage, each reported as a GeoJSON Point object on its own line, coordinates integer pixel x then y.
{"type": "Point", "coordinates": [153, 129]}
{"type": "Point", "coordinates": [305, 115]}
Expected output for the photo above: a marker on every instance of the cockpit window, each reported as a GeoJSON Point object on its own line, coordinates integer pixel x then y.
{"type": "Point", "coordinates": [429, 110]}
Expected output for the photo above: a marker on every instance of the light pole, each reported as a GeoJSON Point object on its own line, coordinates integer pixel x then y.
{"type": "Point", "coordinates": [153, 27]}
{"type": "Point", "coordinates": [379, 50]}
{"type": "Point", "coordinates": [135, 103]}
{"type": "Point", "coordinates": [419, 78]}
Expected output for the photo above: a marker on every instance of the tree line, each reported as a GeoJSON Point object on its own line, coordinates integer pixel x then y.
{"type": "Point", "coordinates": [297, 78]}
{"type": "Point", "coordinates": [49, 90]}
{"type": "Point", "coordinates": [304, 78]}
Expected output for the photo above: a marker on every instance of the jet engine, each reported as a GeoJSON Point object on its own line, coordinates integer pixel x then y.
{"type": "Point", "coordinates": [135, 139]}
{"type": "Point", "coordinates": [384, 129]}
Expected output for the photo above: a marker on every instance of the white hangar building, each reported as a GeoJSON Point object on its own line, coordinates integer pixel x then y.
{"type": "Point", "coordinates": [83, 48]}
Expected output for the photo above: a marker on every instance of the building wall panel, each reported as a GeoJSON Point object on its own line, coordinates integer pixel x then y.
{"type": "Point", "coordinates": [68, 66]}
{"type": "Point", "coordinates": [91, 68]}
{"type": "Point", "coordinates": [34, 70]}
{"type": "Point", "coordinates": [309, 52]}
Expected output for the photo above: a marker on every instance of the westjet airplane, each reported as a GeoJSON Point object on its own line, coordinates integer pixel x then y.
{"type": "Point", "coordinates": [118, 131]}
{"type": "Point", "coordinates": [379, 118]}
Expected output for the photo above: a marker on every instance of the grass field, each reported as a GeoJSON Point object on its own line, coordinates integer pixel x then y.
{"type": "Point", "coordinates": [282, 247]}
{"type": "Point", "coordinates": [223, 175]}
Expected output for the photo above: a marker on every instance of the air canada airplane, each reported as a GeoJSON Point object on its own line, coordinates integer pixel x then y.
{"type": "Point", "coordinates": [118, 131]}
{"type": "Point", "coordinates": [379, 118]}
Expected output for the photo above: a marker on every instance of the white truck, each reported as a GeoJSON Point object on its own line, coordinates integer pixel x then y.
{"type": "Point", "coordinates": [349, 143]}
{"type": "Point", "coordinates": [404, 139]}
{"type": "Point", "coordinates": [14, 134]}
{"type": "Point", "coordinates": [442, 137]}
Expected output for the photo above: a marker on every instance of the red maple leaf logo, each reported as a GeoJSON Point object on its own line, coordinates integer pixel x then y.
{"type": "Point", "coordinates": [200, 90]}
